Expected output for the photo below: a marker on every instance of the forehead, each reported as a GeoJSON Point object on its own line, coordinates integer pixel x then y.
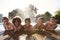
{"type": "Point", "coordinates": [27, 21]}
{"type": "Point", "coordinates": [52, 20]}
{"type": "Point", "coordinates": [16, 21]}
{"type": "Point", "coordinates": [40, 19]}
{"type": "Point", "coordinates": [5, 20]}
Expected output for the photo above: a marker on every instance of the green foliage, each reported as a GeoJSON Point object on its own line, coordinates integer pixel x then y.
{"type": "Point", "coordinates": [57, 16]}
{"type": "Point", "coordinates": [12, 14]}
{"type": "Point", "coordinates": [47, 13]}
{"type": "Point", "coordinates": [45, 16]}
{"type": "Point", "coordinates": [38, 16]}
{"type": "Point", "coordinates": [58, 12]}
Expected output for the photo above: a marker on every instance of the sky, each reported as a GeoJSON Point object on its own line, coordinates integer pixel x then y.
{"type": "Point", "coordinates": [7, 6]}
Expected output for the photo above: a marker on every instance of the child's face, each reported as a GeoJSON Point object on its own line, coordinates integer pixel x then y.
{"type": "Point", "coordinates": [27, 22]}
{"type": "Point", "coordinates": [5, 21]}
{"type": "Point", "coordinates": [52, 21]}
{"type": "Point", "coordinates": [17, 23]}
{"type": "Point", "coordinates": [39, 21]}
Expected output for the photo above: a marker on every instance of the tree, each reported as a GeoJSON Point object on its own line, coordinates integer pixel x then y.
{"type": "Point", "coordinates": [57, 16]}
{"type": "Point", "coordinates": [16, 12]}
{"type": "Point", "coordinates": [38, 15]}
{"type": "Point", "coordinates": [12, 14]}
{"type": "Point", "coordinates": [48, 15]}
{"type": "Point", "coordinates": [45, 16]}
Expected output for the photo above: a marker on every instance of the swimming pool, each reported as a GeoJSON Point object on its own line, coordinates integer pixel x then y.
{"type": "Point", "coordinates": [1, 27]}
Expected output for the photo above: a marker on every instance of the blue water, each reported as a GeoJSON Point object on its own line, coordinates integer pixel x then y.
{"type": "Point", "coordinates": [58, 27]}
{"type": "Point", "coordinates": [1, 27]}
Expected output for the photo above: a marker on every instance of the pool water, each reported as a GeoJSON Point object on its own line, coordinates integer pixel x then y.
{"type": "Point", "coordinates": [1, 27]}
{"type": "Point", "coordinates": [58, 28]}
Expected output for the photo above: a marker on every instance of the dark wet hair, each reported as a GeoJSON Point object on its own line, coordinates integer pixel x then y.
{"type": "Point", "coordinates": [5, 18]}
{"type": "Point", "coordinates": [41, 18]}
{"type": "Point", "coordinates": [17, 18]}
{"type": "Point", "coordinates": [53, 19]}
{"type": "Point", "coordinates": [28, 19]}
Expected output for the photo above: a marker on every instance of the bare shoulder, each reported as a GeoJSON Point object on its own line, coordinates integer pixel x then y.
{"type": "Point", "coordinates": [11, 24]}
{"type": "Point", "coordinates": [31, 25]}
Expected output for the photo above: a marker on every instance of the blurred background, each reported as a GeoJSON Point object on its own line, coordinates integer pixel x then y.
{"type": "Point", "coordinates": [30, 8]}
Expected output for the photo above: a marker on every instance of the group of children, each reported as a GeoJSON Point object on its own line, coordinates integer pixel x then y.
{"type": "Point", "coordinates": [15, 28]}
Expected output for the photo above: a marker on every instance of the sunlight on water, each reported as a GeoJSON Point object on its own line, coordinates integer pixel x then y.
{"type": "Point", "coordinates": [22, 37]}
{"type": "Point", "coordinates": [1, 27]}
{"type": "Point", "coordinates": [58, 28]}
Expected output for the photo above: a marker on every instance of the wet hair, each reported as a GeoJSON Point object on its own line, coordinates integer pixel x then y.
{"type": "Point", "coordinates": [53, 19]}
{"type": "Point", "coordinates": [5, 18]}
{"type": "Point", "coordinates": [28, 19]}
{"type": "Point", "coordinates": [18, 20]}
{"type": "Point", "coordinates": [40, 18]}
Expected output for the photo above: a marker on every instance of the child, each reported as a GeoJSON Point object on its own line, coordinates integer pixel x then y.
{"type": "Point", "coordinates": [27, 27]}
{"type": "Point", "coordinates": [9, 27]}
{"type": "Point", "coordinates": [38, 28]}
{"type": "Point", "coordinates": [18, 28]}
